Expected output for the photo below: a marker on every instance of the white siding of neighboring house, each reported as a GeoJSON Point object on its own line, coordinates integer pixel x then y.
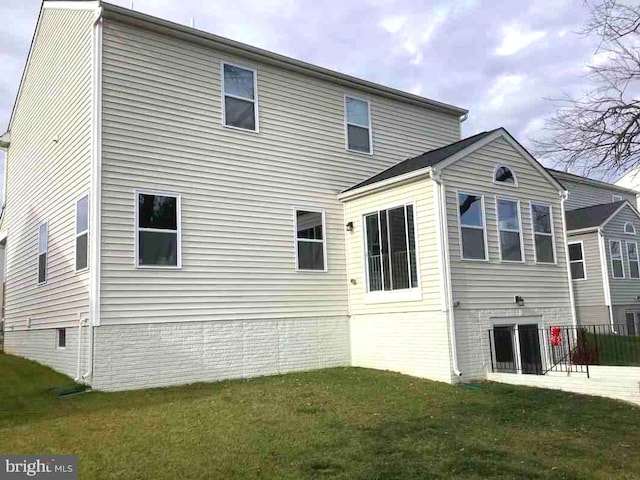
{"type": "Point", "coordinates": [405, 336]}
{"type": "Point", "coordinates": [584, 195]}
{"type": "Point", "coordinates": [486, 289]}
{"type": "Point", "coordinates": [589, 293]}
{"type": "Point", "coordinates": [624, 292]}
{"type": "Point", "coordinates": [162, 131]}
{"type": "Point", "coordinates": [44, 180]}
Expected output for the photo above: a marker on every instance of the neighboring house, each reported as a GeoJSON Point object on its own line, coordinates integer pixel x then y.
{"type": "Point", "coordinates": [181, 207]}
{"type": "Point", "coordinates": [603, 228]}
{"type": "Point", "coordinates": [631, 181]}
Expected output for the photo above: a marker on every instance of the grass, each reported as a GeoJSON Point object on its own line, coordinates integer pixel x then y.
{"type": "Point", "coordinates": [345, 423]}
{"type": "Point", "coordinates": [615, 349]}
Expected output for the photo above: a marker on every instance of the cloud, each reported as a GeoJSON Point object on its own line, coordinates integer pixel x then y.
{"type": "Point", "coordinates": [515, 39]}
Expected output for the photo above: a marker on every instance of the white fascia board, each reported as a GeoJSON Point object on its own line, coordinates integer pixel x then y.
{"type": "Point", "coordinates": [68, 5]}
{"type": "Point", "coordinates": [384, 184]}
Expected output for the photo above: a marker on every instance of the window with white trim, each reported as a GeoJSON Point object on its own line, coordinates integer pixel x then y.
{"type": "Point", "coordinates": [240, 99]}
{"type": "Point", "coordinates": [509, 231]}
{"type": "Point", "coordinates": [542, 222]}
{"type": "Point", "coordinates": [472, 226]}
{"type": "Point", "coordinates": [576, 261]}
{"type": "Point", "coordinates": [310, 240]}
{"type": "Point", "coordinates": [82, 234]}
{"type": "Point", "coordinates": [62, 338]}
{"type": "Point", "coordinates": [358, 120]}
{"type": "Point", "coordinates": [616, 198]}
{"type": "Point", "coordinates": [629, 228]}
{"type": "Point", "coordinates": [504, 174]}
{"type": "Point", "coordinates": [632, 257]}
{"type": "Point", "coordinates": [391, 249]}
{"type": "Point", "coordinates": [615, 250]}
{"type": "Point", "coordinates": [43, 252]}
{"type": "Point", "coordinates": [158, 230]}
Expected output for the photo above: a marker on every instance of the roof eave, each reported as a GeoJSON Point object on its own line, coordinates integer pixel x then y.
{"type": "Point", "coordinates": [385, 184]}
{"type": "Point", "coordinates": [238, 48]}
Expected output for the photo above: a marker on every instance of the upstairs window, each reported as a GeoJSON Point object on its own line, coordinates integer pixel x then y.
{"type": "Point", "coordinates": [504, 174]}
{"type": "Point", "coordinates": [472, 227]}
{"type": "Point", "coordinates": [391, 249]}
{"type": "Point", "coordinates": [310, 240]}
{"type": "Point", "coordinates": [510, 235]}
{"type": "Point", "coordinates": [576, 261]}
{"type": "Point", "coordinates": [632, 256]}
{"type": "Point", "coordinates": [43, 251]}
{"type": "Point", "coordinates": [240, 100]}
{"type": "Point", "coordinates": [615, 250]}
{"type": "Point", "coordinates": [616, 198]}
{"type": "Point", "coordinates": [358, 120]}
{"type": "Point", "coordinates": [543, 233]}
{"type": "Point", "coordinates": [629, 228]}
{"type": "Point", "coordinates": [82, 233]}
{"type": "Point", "coordinates": [158, 230]}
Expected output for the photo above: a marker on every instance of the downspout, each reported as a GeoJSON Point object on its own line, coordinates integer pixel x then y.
{"type": "Point", "coordinates": [94, 235]}
{"type": "Point", "coordinates": [444, 264]}
{"type": "Point", "coordinates": [605, 276]}
{"type": "Point", "coordinates": [563, 198]}
{"type": "Point", "coordinates": [78, 370]}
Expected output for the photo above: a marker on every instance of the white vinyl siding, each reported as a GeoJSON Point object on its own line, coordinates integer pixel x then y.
{"type": "Point", "coordinates": [589, 292]}
{"type": "Point", "coordinates": [585, 195]}
{"type": "Point", "coordinates": [576, 261]}
{"type": "Point", "coordinates": [493, 284]}
{"type": "Point", "coordinates": [617, 264]}
{"type": "Point", "coordinates": [48, 168]}
{"type": "Point", "coordinates": [162, 132]}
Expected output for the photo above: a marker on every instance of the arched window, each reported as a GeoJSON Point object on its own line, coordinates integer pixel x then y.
{"type": "Point", "coordinates": [503, 174]}
{"type": "Point", "coordinates": [629, 228]}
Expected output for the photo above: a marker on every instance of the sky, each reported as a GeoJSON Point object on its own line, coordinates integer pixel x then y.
{"type": "Point", "coordinates": [503, 60]}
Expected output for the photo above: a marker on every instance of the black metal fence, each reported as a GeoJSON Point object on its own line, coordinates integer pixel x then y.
{"type": "Point", "coordinates": [529, 349]}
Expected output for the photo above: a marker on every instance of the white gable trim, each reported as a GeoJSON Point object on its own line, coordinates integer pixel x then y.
{"type": "Point", "coordinates": [502, 133]}
{"type": "Point", "coordinates": [384, 184]}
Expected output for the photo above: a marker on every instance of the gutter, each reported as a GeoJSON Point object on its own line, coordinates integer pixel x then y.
{"type": "Point", "coordinates": [563, 198]}
{"type": "Point", "coordinates": [237, 48]}
{"type": "Point", "coordinates": [444, 262]}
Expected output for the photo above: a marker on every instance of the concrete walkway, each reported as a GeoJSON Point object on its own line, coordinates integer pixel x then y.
{"type": "Point", "coordinates": [622, 383]}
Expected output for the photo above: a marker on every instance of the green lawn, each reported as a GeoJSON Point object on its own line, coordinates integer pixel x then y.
{"type": "Point", "coordinates": [340, 423]}
{"type": "Point", "coordinates": [615, 349]}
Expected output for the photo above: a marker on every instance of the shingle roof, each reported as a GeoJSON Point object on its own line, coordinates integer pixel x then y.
{"type": "Point", "coordinates": [427, 159]}
{"type": "Point", "coordinates": [592, 216]}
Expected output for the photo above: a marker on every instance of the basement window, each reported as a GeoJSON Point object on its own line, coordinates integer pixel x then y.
{"type": "Point", "coordinates": [158, 230]}
{"type": "Point", "coordinates": [62, 337]}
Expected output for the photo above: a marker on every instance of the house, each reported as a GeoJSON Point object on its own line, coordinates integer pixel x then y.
{"type": "Point", "coordinates": [182, 207]}
{"type": "Point", "coordinates": [603, 228]}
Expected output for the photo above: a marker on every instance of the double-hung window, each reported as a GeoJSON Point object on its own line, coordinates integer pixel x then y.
{"type": "Point", "coordinates": [43, 251]}
{"type": "Point", "coordinates": [239, 88]}
{"type": "Point", "coordinates": [509, 230]}
{"type": "Point", "coordinates": [158, 230]}
{"type": "Point", "coordinates": [632, 256]}
{"type": "Point", "coordinates": [543, 232]}
{"type": "Point", "coordinates": [615, 250]}
{"type": "Point", "coordinates": [391, 249]}
{"type": "Point", "coordinates": [310, 240]}
{"type": "Point", "coordinates": [82, 233]}
{"type": "Point", "coordinates": [576, 261]}
{"type": "Point", "coordinates": [472, 226]}
{"type": "Point", "coordinates": [358, 120]}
